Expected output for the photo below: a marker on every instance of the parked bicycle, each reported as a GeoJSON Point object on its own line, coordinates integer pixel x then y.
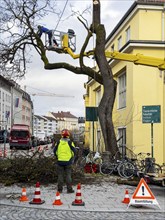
{"type": "Point", "coordinates": [118, 165]}
{"type": "Point", "coordinates": [142, 165]}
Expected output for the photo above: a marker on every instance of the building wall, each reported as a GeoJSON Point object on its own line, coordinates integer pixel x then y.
{"type": "Point", "coordinates": [17, 106]}
{"type": "Point", "coordinates": [5, 103]}
{"type": "Point", "coordinates": [5, 106]}
{"type": "Point", "coordinates": [26, 112]}
{"type": "Point", "coordinates": [50, 125]}
{"type": "Point", "coordinates": [147, 31]}
{"type": "Point", "coordinates": [144, 85]}
{"type": "Point", "coordinates": [11, 102]}
{"type": "Point", "coordinates": [70, 123]}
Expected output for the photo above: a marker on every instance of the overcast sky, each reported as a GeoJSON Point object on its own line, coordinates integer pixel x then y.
{"type": "Point", "coordinates": [61, 81]}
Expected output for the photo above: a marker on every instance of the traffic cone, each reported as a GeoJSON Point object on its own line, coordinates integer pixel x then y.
{"type": "Point", "coordinates": [40, 149]}
{"type": "Point", "coordinates": [37, 200]}
{"type": "Point", "coordinates": [1, 155]}
{"type": "Point", "coordinates": [57, 201]}
{"type": "Point", "coordinates": [23, 198]}
{"type": "Point", "coordinates": [46, 147]}
{"type": "Point", "coordinates": [126, 199]}
{"type": "Point", "coordinates": [5, 153]}
{"type": "Point", "coordinates": [78, 201]}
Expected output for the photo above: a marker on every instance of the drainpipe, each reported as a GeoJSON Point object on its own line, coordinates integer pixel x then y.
{"type": "Point", "coordinates": [12, 106]}
{"type": "Point", "coordinates": [163, 39]}
{"type": "Point", "coordinates": [163, 23]}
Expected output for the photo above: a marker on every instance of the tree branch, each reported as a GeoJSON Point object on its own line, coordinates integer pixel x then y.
{"type": "Point", "coordinates": [77, 70]}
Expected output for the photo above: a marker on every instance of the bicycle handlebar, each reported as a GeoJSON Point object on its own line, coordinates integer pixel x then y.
{"type": "Point", "coordinates": [141, 153]}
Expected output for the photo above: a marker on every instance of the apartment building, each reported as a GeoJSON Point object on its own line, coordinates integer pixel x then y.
{"type": "Point", "coordinates": [44, 124]}
{"type": "Point", "coordinates": [5, 103]}
{"type": "Point", "coordinates": [140, 31]}
{"type": "Point", "coordinates": [65, 120]}
{"type": "Point", "coordinates": [15, 105]}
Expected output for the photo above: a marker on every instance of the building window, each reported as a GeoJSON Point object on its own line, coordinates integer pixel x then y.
{"type": "Point", "coordinates": [127, 34]}
{"type": "Point", "coordinates": [112, 47]}
{"type": "Point", "coordinates": [98, 97]}
{"type": "Point", "coordinates": [122, 90]}
{"type": "Point", "coordinates": [121, 141]}
{"type": "Point", "coordinates": [119, 43]}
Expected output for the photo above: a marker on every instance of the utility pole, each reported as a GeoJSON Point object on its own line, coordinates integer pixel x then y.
{"type": "Point", "coordinates": [5, 133]}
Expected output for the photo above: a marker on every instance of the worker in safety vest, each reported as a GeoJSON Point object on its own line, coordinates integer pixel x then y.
{"type": "Point", "coordinates": [42, 29]}
{"type": "Point", "coordinates": [65, 151]}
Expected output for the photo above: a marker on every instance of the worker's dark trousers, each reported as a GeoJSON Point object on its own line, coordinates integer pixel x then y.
{"type": "Point", "coordinates": [64, 172]}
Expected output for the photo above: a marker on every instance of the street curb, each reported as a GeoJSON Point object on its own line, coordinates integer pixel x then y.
{"type": "Point", "coordinates": [77, 209]}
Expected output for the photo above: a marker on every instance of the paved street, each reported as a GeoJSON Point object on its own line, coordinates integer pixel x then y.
{"type": "Point", "coordinates": [11, 213]}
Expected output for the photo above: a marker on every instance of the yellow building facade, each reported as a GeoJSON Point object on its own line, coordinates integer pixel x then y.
{"type": "Point", "coordinates": [140, 31]}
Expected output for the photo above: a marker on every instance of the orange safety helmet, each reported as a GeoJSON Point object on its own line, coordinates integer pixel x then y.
{"type": "Point", "coordinates": [65, 133]}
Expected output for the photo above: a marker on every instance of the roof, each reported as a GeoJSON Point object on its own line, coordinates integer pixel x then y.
{"type": "Point", "coordinates": [6, 81]}
{"type": "Point", "coordinates": [63, 115]}
{"type": "Point", "coordinates": [49, 118]}
{"type": "Point", "coordinates": [40, 117]}
{"type": "Point", "coordinates": [138, 2]}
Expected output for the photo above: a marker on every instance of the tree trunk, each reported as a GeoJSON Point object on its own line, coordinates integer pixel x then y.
{"type": "Point", "coordinates": [109, 84]}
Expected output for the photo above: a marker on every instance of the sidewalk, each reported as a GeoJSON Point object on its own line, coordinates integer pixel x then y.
{"type": "Point", "coordinates": [103, 196]}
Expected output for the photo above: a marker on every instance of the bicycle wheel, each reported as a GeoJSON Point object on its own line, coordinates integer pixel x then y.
{"type": "Point", "coordinates": [120, 170]}
{"type": "Point", "coordinates": [154, 168]}
{"type": "Point", "coordinates": [107, 168]}
{"type": "Point", "coordinates": [128, 170]}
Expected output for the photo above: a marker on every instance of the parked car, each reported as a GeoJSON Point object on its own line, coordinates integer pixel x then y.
{"type": "Point", "coordinates": [20, 137]}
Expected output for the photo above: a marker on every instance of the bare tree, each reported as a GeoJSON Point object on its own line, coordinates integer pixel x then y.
{"type": "Point", "coordinates": [19, 18]}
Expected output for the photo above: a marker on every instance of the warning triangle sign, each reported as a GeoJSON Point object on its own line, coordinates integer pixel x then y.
{"type": "Point", "coordinates": [143, 195]}
{"type": "Point", "coordinates": [143, 191]}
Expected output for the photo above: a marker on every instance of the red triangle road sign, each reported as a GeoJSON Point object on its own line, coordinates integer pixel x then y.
{"type": "Point", "coordinates": [143, 191]}
{"type": "Point", "coordinates": [143, 195]}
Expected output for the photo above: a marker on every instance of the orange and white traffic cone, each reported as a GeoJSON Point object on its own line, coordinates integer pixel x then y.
{"type": "Point", "coordinates": [23, 198]}
{"type": "Point", "coordinates": [1, 154]}
{"type": "Point", "coordinates": [126, 199]}
{"type": "Point", "coordinates": [78, 200]}
{"type": "Point", "coordinates": [57, 200]}
{"type": "Point", "coordinates": [39, 148]}
{"type": "Point", "coordinates": [46, 147]}
{"type": "Point", "coordinates": [5, 153]}
{"type": "Point", "coordinates": [37, 200]}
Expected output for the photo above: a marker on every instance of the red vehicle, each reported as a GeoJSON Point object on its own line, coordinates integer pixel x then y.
{"type": "Point", "coordinates": [20, 137]}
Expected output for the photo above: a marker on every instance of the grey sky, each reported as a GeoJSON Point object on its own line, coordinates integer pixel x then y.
{"type": "Point", "coordinates": [62, 81]}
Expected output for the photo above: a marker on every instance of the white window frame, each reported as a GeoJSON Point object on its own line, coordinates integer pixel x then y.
{"type": "Point", "coordinates": [119, 43]}
{"type": "Point", "coordinates": [128, 34]}
{"type": "Point", "coordinates": [121, 140]}
{"type": "Point", "coordinates": [122, 88]}
{"type": "Point", "coordinates": [98, 96]}
{"type": "Point", "coordinates": [113, 48]}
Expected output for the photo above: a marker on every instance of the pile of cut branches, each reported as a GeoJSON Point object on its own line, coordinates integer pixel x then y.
{"type": "Point", "coordinates": [31, 169]}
